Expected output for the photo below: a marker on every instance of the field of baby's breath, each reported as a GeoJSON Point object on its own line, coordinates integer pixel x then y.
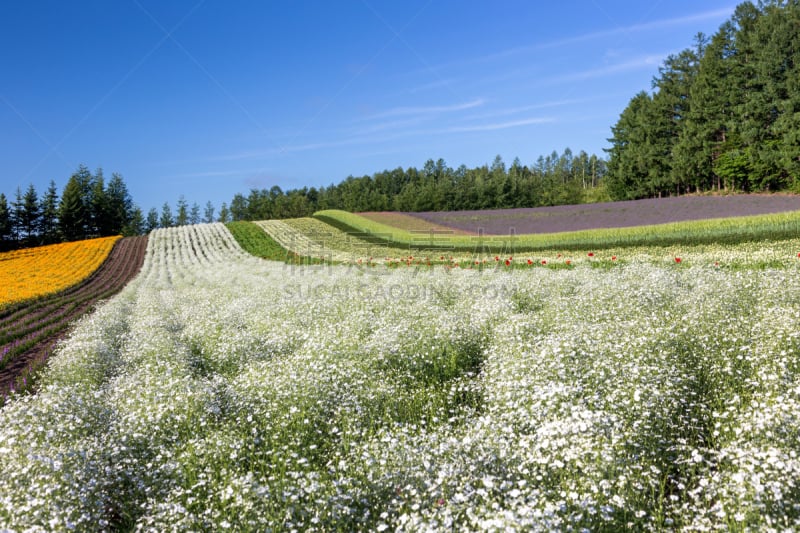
{"type": "Point", "coordinates": [223, 391]}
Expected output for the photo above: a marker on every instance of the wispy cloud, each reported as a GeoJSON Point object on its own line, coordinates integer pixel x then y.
{"type": "Point", "coordinates": [425, 110]}
{"type": "Point", "coordinates": [372, 139]}
{"type": "Point", "coordinates": [647, 61]}
{"type": "Point", "coordinates": [498, 125]}
{"type": "Point", "coordinates": [596, 35]}
{"type": "Point", "coordinates": [438, 84]}
{"type": "Point", "coordinates": [532, 107]}
{"type": "Point", "coordinates": [262, 153]}
{"type": "Point", "coordinates": [207, 174]}
{"type": "Point", "coordinates": [621, 30]}
{"type": "Point", "coordinates": [390, 125]}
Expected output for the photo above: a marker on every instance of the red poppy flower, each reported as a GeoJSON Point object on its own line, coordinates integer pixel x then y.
{"type": "Point", "coordinates": [677, 259]}
{"type": "Point", "coordinates": [591, 254]}
{"type": "Point", "coordinates": [613, 257]}
{"type": "Point", "coordinates": [568, 262]}
{"type": "Point", "coordinates": [508, 262]}
{"type": "Point", "coordinates": [496, 258]}
{"type": "Point", "coordinates": [530, 262]}
{"type": "Point", "coordinates": [544, 262]}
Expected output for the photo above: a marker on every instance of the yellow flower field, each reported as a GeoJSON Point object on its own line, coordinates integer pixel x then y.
{"type": "Point", "coordinates": [34, 272]}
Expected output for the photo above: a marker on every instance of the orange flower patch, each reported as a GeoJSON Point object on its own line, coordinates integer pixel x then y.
{"type": "Point", "coordinates": [34, 272]}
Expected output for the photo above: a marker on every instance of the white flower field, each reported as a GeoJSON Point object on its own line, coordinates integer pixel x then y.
{"type": "Point", "coordinates": [218, 390]}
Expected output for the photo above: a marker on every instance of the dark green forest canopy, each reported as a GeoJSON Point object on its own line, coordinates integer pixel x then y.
{"type": "Point", "coordinates": [555, 179]}
{"type": "Point", "coordinates": [723, 115]}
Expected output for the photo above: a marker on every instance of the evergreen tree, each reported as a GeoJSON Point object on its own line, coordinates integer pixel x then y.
{"type": "Point", "coordinates": [194, 214]}
{"type": "Point", "coordinates": [706, 133]}
{"type": "Point", "coordinates": [135, 224]}
{"type": "Point", "coordinates": [49, 211]}
{"type": "Point", "coordinates": [166, 220]}
{"type": "Point", "coordinates": [209, 213]}
{"type": "Point", "coordinates": [30, 216]}
{"type": "Point", "coordinates": [152, 220]}
{"type": "Point", "coordinates": [17, 207]}
{"type": "Point", "coordinates": [182, 218]}
{"type": "Point", "coordinates": [787, 126]}
{"type": "Point", "coordinates": [5, 223]}
{"type": "Point", "coordinates": [628, 163]}
{"type": "Point", "coordinates": [752, 119]}
{"type": "Point", "coordinates": [99, 207]}
{"type": "Point", "coordinates": [776, 36]}
{"type": "Point", "coordinates": [119, 206]}
{"type": "Point", "coordinates": [238, 209]}
{"type": "Point", "coordinates": [738, 124]}
{"type": "Point", "coordinates": [72, 214]}
{"type": "Point", "coordinates": [224, 214]}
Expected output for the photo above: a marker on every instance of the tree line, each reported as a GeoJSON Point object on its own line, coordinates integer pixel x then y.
{"type": "Point", "coordinates": [554, 179]}
{"type": "Point", "coordinates": [723, 115]}
{"type": "Point", "coordinates": [88, 207]}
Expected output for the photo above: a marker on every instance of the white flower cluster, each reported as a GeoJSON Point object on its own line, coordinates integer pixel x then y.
{"type": "Point", "coordinates": [223, 391]}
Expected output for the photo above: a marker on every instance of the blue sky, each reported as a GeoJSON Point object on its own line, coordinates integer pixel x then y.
{"type": "Point", "coordinates": [205, 98]}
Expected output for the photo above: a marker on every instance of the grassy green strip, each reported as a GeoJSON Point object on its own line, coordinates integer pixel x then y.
{"type": "Point", "coordinates": [733, 230]}
{"type": "Point", "coordinates": [255, 241]}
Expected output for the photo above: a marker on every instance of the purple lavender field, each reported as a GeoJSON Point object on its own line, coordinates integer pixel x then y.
{"type": "Point", "coordinates": [611, 214]}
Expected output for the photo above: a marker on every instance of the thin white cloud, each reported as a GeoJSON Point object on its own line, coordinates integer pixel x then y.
{"type": "Point", "coordinates": [637, 63]}
{"type": "Point", "coordinates": [438, 84]}
{"type": "Point", "coordinates": [635, 28]}
{"type": "Point", "coordinates": [425, 110]}
{"type": "Point", "coordinates": [532, 107]}
{"type": "Point", "coordinates": [391, 130]}
{"type": "Point", "coordinates": [390, 125]}
{"type": "Point", "coordinates": [289, 148]}
{"type": "Point", "coordinates": [602, 34]}
{"type": "Point", "coordinates": [374, 139]}
{"type": "Point", "coordinates": [498, 125]}
{"type": "Point", "coordinates": [208, 174]}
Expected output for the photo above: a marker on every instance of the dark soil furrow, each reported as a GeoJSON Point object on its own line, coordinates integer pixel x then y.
{"type": "Point", "coordinates": [51, 317]}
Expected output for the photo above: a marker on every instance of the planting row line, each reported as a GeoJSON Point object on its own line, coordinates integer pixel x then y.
{"type": "Point", "coordinates": [28, 333]}
{"type": "Point", "coordinates": [700, 232]}
{"type": "Point", "coordinates": [312, 238]}
{"type": "Point", "coordinates": [303, 243]}
{"type": "Point", "coordinates": [35, 272]}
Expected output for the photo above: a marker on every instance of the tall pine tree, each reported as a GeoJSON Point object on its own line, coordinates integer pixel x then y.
{"type": "Point", "coordinates": [73, 214]}
{"type": "Point", "coordinates": [5, 223]}
{"type": "Point", "coordinates": [151, 223]}
{"type": "Point", "coordinates": [30, 216]}
{"type": "Point", "coordinates": [628, 165]}
{"type": "Point", "coordinates": [119, 205]}
{"type": "Point", "coordinates": [49, 211]}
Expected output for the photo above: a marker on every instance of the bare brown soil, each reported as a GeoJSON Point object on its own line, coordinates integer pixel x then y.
{"type": "Point", "coordinates": [45, 321]}
{"type": "Point", "coordinates": [611, 214]}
